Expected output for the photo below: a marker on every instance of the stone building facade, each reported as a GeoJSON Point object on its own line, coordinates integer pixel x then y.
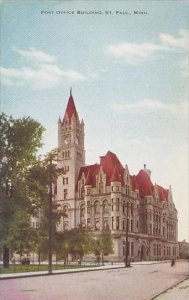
{"type": "Point", "coordinates": [106, 195]}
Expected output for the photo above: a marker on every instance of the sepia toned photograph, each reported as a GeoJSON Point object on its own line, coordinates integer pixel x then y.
{"type": "Point", "coordinates": [94, 132]}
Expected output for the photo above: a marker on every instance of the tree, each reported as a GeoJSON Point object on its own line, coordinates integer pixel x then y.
{"type": "Point", "coordinates": [104, 244]}
{"type": "Point", "coordinates": [20, 141]}
{"type": "Point", "coordinates": [80, 242]}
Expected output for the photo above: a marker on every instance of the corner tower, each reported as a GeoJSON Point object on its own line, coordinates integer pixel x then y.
{"type": "Point", "coordinates": [72, 152]}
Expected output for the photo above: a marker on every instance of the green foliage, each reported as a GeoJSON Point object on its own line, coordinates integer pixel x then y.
{"type": "Point", "coordinates": [77, 242]}
{"type": "Point", "coordinates": [104, 244]}
{"type": "Point", "coordinates": [20, 140]}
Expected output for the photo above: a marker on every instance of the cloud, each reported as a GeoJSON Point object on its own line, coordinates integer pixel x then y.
{"type": "Point", "coordinates": [42, 74]}
{"type": "Point", "coordinates": [131, 52]}
{"type": "Point", "coordinates": [43, 77]}
{"type": "Point", "coordinates": [179, 42]}
{"type": "Point", "coordinates": [150, 105]}
{"type": "Point", "coordinates": [137, 53]}
{"type": "Point", "coordinates": [35, 55]}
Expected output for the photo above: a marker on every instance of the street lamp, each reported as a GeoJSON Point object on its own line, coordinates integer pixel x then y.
{"type": "Point", "coordinates": [51, 194]}
{"type": "Point", "coordinates": [6, 185]}
{"type": "Point", "coordinates": [126, 207]}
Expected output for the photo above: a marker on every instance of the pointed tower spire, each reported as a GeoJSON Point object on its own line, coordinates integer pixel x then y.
{"type": "Point", "coordinates": [71, 109]}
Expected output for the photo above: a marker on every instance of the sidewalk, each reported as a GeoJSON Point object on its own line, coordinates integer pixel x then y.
{"type": "Point", "coordinates": [178, 292]}
{"type": "Point", "coordinates": [76, 270]}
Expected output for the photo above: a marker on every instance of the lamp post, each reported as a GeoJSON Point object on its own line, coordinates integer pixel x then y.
{"type": "Point", "coordinates": [50, 208]}
{"type": "Point", "coordinates": [126, 235]}
{"type": "Point", "coordinates": [50, 217]}
{"type": "Point", "coordinates": [6, 186]}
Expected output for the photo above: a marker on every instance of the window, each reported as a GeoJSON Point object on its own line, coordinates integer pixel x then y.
{"type": "Point", "coordinates": [88, 210]}
{"type": "Point", "coordinates": [117, 204]}
{"type": "Point", "coordinates": [132, 209]}
{"type": "Point", "coordinates": [65, 194]}
{"type": "Point", "coordinates": [97, 207]}
{"type": "Point", "coordinates": [101, 187]}
{"type": "Point", "coordinates": [65, 180]}
{"type": "Point", "coordinates": [105, 206]}
{"type": "Point", "coordinates": [82, 211]}
{"type": "Point", "coordinates": [137, 224]}
{"type": "Point", "coordinates": [131, 225]}
{"type": "Point", "coordinates": [117, 223]}
{"type": "Point", "coordinates": [112, 223]}
{"type": "Point", "coordinates": [105, 223]}
{"type": "Point", "coordinates": [117, 188]}
{"type": "Point", "coordinates": [65, 211]}
{"type": "Point", "coordinates": [97, 224]}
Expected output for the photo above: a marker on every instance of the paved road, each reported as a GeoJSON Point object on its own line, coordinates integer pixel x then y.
{"type": "Point", "coordinates": [140, 282]}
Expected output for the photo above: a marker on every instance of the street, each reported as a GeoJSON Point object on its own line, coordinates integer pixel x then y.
{"type": "Point", "coordinates": [140, 282]}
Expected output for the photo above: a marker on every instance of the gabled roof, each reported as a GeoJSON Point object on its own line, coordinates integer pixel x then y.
{"type": "Point", "coordinates": [89, 173]}
{"type": "Point", "coordinates": [109, 162]}
{"type": "Point", "coordinates": [144, 183]}
{"type": "Point", "coordinates": [110, 165]}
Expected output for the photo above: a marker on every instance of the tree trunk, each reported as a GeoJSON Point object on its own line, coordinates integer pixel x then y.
{"type": "Point", "coordinates": [6, 257]}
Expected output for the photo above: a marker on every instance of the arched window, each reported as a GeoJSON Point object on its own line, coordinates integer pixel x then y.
{"type": "Point", "coordinates": [105, 206]}
{"type": "Point", "coordinates": [82, 211]}
{"type": "Point", "coordinates": [97, 207]}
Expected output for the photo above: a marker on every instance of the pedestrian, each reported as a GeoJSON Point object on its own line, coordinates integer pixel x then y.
{"type": "Point", "coordinates": [172, 262]}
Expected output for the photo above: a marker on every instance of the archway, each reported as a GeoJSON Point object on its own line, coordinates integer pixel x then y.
{"type": "Point", "coordinates": [143, 252]}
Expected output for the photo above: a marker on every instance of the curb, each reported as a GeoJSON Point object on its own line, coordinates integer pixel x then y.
{"type": "Point", "coordinates": [20, 275]}
{"type": "Point", "coordinates": [58, 273]}
{"type": "Point", "coordinates": [167, 289]}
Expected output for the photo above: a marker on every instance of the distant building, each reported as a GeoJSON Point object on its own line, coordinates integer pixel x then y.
{"type": "Point", "coordinates": [105, 195]}
{"type": "Point", "coordinates": [184, 249]}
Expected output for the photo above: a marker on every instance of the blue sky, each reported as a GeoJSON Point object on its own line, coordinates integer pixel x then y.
{"type": "Point", "coordinates": [128, 72]}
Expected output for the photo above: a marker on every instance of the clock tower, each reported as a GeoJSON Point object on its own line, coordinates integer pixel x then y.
{"type": "Point", "coordinates": [72, 153]}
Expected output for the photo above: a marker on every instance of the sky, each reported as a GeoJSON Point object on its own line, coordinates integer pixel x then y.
{"type": "Point", "coordinates": [127, 64]}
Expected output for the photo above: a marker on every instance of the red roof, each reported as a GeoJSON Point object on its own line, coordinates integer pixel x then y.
{"type": "Point", "coordinates": [89, 173]}
{"type": "Point", "coordinates": [115, 176]}
{"type": "Point", "coordinates": [145, 184]}
{"type": "Point", "coordinates": [71, 109]}
{"type": "Point", "coordinates": [134, 182]}
{"type": "Point", "coordinates": [111, 166]}
{"type": "Point", "coordinates": [109, 162]}
{"type": "Point", "coordinates": [114, 171]}
{"type": "Point", "coordinates": [163, 193]}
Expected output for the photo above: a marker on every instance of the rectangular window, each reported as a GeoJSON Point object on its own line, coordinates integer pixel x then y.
{"type": "Point", "coordinates": [131, 225]}
{"type": "Point", "coordinates": [112, 223]}
{"type": "Point", "coordinates": [117, 204]}
{"type": "Point", "coordinates": [117, 223]}
{"type": "Point", "coordinates": [137, 224]}
{"type": "Point", "coordinates": [65, 193]}
{"type": "Point", "coordinates": [117, 188]}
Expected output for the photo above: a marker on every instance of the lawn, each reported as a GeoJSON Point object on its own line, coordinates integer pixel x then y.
{"type": "Point", "coordinates": [17, 268]}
